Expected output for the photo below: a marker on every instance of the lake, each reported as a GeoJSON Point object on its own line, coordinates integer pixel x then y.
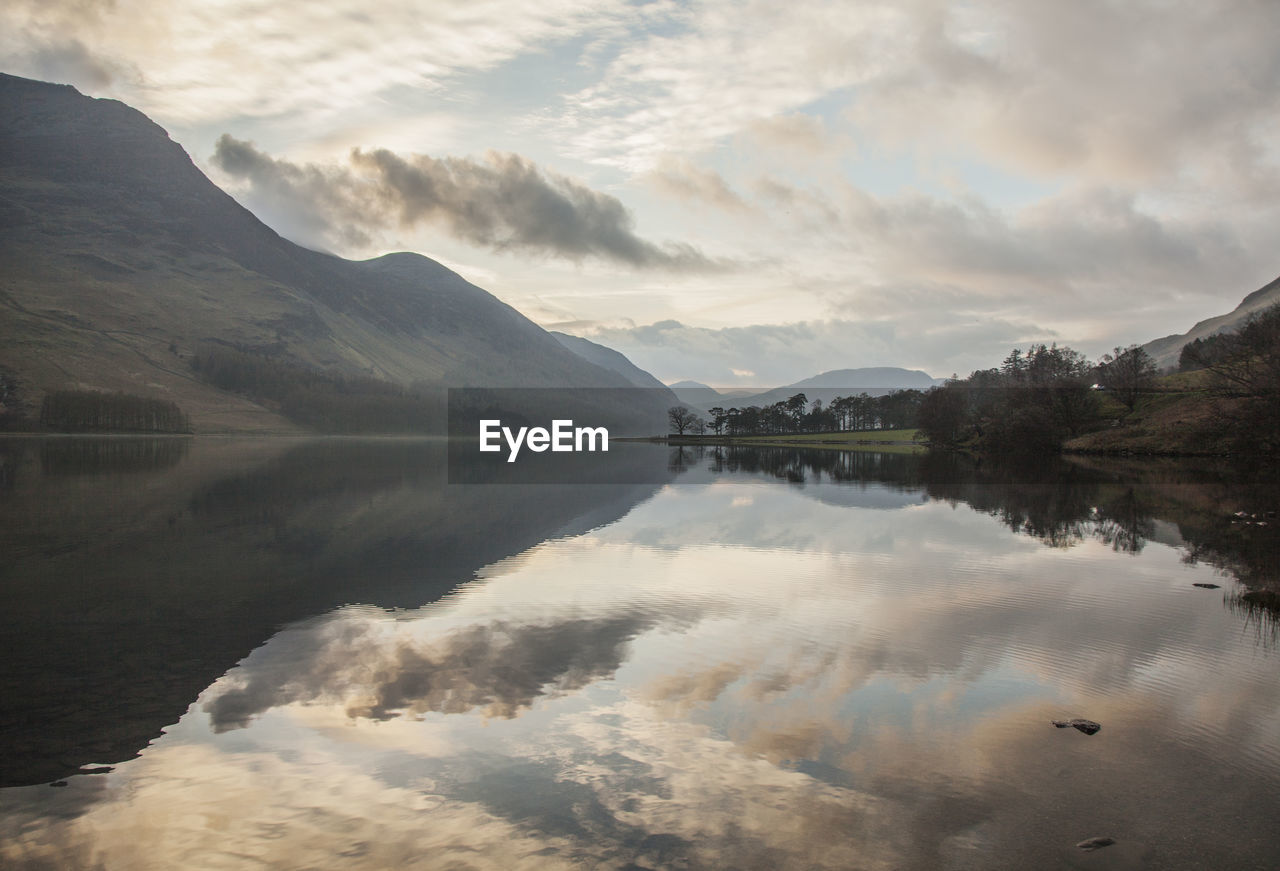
{"type": "Point", "coordinates": [248, 653]}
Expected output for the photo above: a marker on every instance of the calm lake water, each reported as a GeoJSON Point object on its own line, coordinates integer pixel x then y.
{"type": "Point", "coordinates": [271, 653]}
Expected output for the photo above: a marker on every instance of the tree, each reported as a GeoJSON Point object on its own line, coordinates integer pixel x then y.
{"type": "Point", "coordinates": [1245, 367]}
{"type": "Point", "coordinates": [944, 415]}
{"type": "Point", "coordinates": [718, 418]}
{"type": "Point", "coordinates": [1127, 373]}
{"type": "Point", "coordinates": [1246, 362]}
{"type": "Point", "coordinates": [1031, 404]}
{"type": "Point", "coordinates": [795, 407]}
{"type": "Point", "coordinates": [681, 419]}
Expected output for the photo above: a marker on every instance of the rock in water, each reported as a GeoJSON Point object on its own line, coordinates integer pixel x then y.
{"type": "Point", "coordinates": [1096, 843]}
{"type": "Point", "coordinates": [1087, 726]}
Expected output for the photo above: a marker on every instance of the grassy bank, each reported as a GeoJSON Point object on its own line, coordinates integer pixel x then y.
{"type": "Point", "coordinates": [1191, 422]}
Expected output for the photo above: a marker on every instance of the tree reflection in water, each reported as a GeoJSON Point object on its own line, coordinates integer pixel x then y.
{"type": "Point", "coordinates": [1224, 514]}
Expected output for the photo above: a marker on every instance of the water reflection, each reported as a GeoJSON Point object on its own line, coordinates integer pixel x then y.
{"type": "Point", "coordinates": [496, 668]}
{"type": "Point", "coordinates": [134, 582]}
{"type": "Point", "coordinates": [95, 456]}
{"type": "Point", "coordinates": [779, 668]}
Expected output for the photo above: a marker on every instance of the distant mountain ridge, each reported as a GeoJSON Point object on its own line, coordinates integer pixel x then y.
{"type": "Point", "coordinates": [873, 380]}
{"type": "Point", "coordinates": [1165, 351]}
{"type": "Point", "coordinates": [119, 257]}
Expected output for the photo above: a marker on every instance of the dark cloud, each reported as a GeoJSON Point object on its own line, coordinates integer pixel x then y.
{"type": "Point", "coordinates": [504, 202]}
{"type": "Point", "coordinates": [500, 668]}
{"type": "Point", "coordinates": [317, 205]}
{"type": "Point", "coordinates": [70, 60]}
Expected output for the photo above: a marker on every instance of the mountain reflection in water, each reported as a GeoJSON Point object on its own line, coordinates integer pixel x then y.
{"type": "Point", "coordinates": [801, 659]}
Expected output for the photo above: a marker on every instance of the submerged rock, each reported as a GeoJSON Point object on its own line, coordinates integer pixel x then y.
{"type": "Point", "coordinates": [1208, 586]}
{"type": "Point", "coordinates": [1086, 726]}
{"type": "Point", "coordinates": [1096, 843]}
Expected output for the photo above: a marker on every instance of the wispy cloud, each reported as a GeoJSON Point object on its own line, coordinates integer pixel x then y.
{"type": "Point", "coordinates": [684, 180]}
{"type": "Point", "coordinates": [503, 202]}
{"type": "Point", "coordinates": [204, 62]}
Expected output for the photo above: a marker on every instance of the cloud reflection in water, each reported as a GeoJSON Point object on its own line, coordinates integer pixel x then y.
{"type": "Point", "coordinates": [871, 689]}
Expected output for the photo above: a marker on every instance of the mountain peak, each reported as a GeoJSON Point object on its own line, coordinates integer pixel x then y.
{"type": "Point", "coordinates": [871, 377]}
{"type": "Point", "coordinates": [132, 260]}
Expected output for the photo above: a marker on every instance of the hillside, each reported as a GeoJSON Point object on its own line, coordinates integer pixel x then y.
{"type": "Point", "coordinates": [699, 397]}
{"type": "Point", "coordinates": [614, 361]}
{"type": "Point", "coordinates": [1165, 351]}
{"type": "Point", "coordinates": [118, 258]}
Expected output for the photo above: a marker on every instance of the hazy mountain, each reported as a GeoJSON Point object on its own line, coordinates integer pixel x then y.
{"type": "Point", "coordinates": [874, 381]}
{"type": "Point", "coordinates": [698, 396]}
{"type": "Point", "coordinates": [1165, 351]}
{"type": "Point", "coordinates": [614, 361]}
{"type": "Point", "coordinates": [118, 257]}
{"type": "Point", "coordinates": [872, 378]}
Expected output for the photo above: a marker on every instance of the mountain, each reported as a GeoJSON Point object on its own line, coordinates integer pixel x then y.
{"type": "Point", "coordinates": [119, 259]}
{"type": "Point", "coordinates": [1165, 351]}
{"type": "Point", "coordinates": [614, 361]}
{"type": "Point", "coordinates": [872, 378]}
{"type": "Point", "coordinates": [874, 381]}
{"type": "Point", "coordinates": [698, 396]}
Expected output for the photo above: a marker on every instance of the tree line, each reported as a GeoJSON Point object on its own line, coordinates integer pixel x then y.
{"type": "Point", "coordinates": [797, 414]}
{"type": "Point", "coordinates": [1032, 403]}
{"type": "Point", "coordinates": [323, 401]}
{"type": "Point", "coordinates": [1037, 399]}
{"type": "Point", "coordinates": [92, 411]}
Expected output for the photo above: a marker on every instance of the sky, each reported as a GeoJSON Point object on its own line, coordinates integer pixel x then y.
{"type": "Point", "coordinates": [739, 193]}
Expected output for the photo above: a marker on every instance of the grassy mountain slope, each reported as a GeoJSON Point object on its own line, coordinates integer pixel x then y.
{"type": "Point", "coordinates": [1165, 351]}
{"type": "Point", "coordinates": [610, 359]}
{"type": "Point", "coordinates": [118, 257]}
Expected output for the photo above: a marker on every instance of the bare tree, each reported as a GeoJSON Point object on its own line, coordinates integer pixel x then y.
{"type": "Point", "coordinates": [1127, 372]}
{"type": "Point", "coordinates": [681, 419]}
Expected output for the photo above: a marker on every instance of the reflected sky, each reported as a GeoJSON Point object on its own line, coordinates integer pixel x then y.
{"type": "Point", "coordinates": [740, 674]}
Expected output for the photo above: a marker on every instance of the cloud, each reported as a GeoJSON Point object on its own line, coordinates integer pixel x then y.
{"type": "Point", "coordinates": [71, 60]}
{"type": "Point", "coordinates": [805, 134]}
{"type": "Point", "coordinates": [682, 179]}
{"type": "Point", "coordinates": [770, 355]}
{"type": "Point", "coordinates": [497, 668]}
{"type": "Point", "coordinates": [724, 68]}
{"type": "Point", "coordinates": [1091, 89]}
{"type": "Point", "coordinates": [504, 202]}
{"type": "Point", "coordinates": [1079, 235]}
{"type": "Point", "coordinates": [200, 62]}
